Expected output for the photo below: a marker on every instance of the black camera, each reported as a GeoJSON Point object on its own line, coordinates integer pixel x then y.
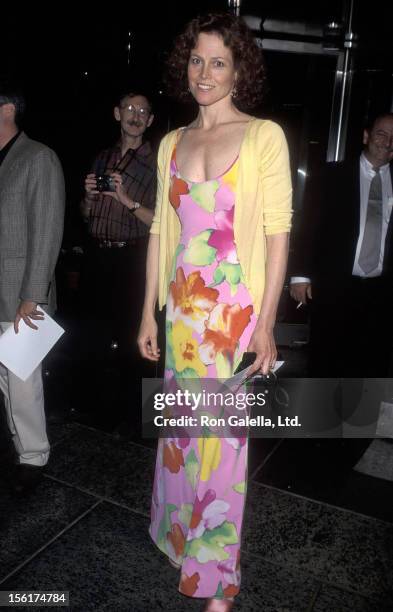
{"type": "Point", "coordinates": [105, 183]}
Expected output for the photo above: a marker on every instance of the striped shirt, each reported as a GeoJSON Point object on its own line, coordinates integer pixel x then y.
{"type": "Point", "coordinates": [110, 220]}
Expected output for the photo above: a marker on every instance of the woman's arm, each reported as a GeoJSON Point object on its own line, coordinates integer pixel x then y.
{"type": "Point", "coordinates": [147, 337]}
{"type": "Point", "coordinates": [262, 340]}
{"type": "Point", "coordinates": [277, 211]}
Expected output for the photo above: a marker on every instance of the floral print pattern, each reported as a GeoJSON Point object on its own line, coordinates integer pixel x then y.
{"type": "Point", "coordinates": [200, 484]}
{"type": "Point", "coordinates": [222, 238]}
{"type": "Point", "coordinates": [190, 301]}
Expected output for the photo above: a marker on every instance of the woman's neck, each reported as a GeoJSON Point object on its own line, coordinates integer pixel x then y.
{"type": "Point", "coordinates": [211, 116]}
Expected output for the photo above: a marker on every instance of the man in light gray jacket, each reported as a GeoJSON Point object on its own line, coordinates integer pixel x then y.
{"type": "Point", "coordinates": [32, 200]}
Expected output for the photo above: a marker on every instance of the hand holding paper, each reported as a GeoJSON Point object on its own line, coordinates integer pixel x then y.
{"type": "Point", "coordinates": [27, 310]}
{"type": "Point", "coordinates": [22, 352]}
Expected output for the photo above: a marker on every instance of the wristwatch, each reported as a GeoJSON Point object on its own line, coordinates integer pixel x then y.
{"type": "Point", "coordinates": [135, 207]}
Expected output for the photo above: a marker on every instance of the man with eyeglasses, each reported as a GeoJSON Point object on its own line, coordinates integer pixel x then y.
{"type": "Point", "coordinates": [118, 207]}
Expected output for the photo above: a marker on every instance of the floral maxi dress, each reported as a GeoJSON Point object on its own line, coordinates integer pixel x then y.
{"type": "Point", "coordinates": [200, 483]}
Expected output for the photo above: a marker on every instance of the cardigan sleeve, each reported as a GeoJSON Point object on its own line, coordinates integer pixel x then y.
{"type": "Point", "coordinates": [276, 180]}
{"type": "Point", "coordinates": [155, 226]}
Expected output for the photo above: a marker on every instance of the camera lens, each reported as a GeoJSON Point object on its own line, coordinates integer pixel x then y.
{"type": "Point", "coordinates": [104, 182]}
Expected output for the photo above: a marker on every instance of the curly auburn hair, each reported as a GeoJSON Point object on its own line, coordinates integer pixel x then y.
{"type": "Point", "coordinates": [247, 57]}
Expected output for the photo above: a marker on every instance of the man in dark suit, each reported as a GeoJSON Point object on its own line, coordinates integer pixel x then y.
{"type": "Point", "coordinates": [32, 201]}
{"type": "Point", "coordinates": [342, 263]}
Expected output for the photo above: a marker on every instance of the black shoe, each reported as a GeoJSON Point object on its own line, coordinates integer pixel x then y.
{"type": "Point", "coordinates": [25, 478]}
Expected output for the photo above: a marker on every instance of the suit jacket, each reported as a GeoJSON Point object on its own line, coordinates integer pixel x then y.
{"type": "Point", "coordinates": [32, 201]}
{"type": "Point", "coordinates": [324, 246]}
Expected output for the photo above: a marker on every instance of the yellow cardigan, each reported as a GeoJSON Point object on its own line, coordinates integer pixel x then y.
{"type": "Point", "coordinates": [263, 207]}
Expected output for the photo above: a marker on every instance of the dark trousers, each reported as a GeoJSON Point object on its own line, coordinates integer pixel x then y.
{"type": "Point", "coordinates": [113, 282]}
{"type": "Point", "coordinates": [351, 340]}
{"type": "Point", "coordinates": [351, 332]}
{"type": "Point", "coordinates": [113, 288]}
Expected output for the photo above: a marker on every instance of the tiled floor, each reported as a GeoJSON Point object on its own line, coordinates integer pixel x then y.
{"type": "Point", "coordinates": [324, 470]}
{"type": "Point", "coordinates": [316, 540]}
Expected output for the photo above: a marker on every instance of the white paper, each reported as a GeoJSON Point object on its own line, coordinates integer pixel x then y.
{"type": "Point", "coordinates": [23, 352]}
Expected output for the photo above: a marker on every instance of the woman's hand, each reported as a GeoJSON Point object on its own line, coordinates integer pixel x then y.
{"type": "Point", "coordinates": [147, 339]}
{"type": "Point", "coordinates": [262, 343]}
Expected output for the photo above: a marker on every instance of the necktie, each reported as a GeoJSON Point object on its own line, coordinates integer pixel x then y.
{"type": "Point", "coordinates": [371, 244]}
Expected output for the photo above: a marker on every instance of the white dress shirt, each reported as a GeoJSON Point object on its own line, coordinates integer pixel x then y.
{"type": "Point", "coordinates": [366, 175]}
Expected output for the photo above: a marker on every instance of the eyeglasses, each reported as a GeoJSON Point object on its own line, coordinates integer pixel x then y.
{"type": "Point", "coordinates": [142, 112]}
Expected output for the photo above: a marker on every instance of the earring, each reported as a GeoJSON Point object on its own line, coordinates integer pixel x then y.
{"type": "Point", "coordinates": [234, 92]}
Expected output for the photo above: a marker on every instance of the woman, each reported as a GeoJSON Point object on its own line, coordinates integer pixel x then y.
{"type": "Point", "coordinates": [217, 258]}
